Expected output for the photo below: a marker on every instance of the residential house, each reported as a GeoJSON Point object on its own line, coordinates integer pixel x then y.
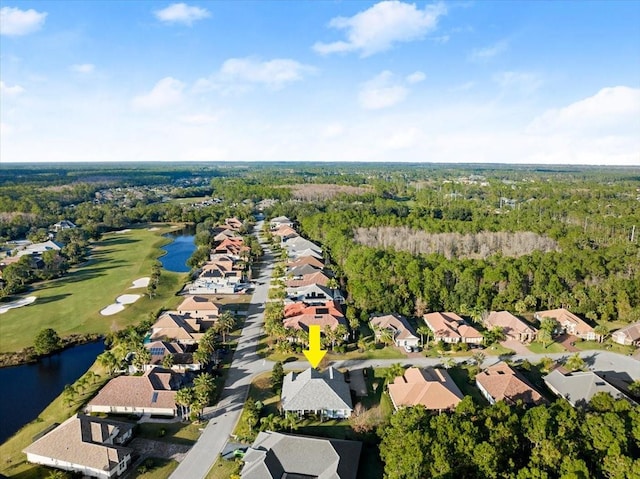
{"type": "Point", "coordinates": [152, 393]}
{"type": "Point", "coordinates": [323, 393]}
{"type": "Point", "coordinates": [502, 383]}
{"type": "Point", "coordinates": [279, 221]}
{"type": "Point", "coordinates": [513, 328]}
{"type": "Point", "coordinates": [62, 225]}
{"type": "Point", "coordinates": [91, 446]}
{"type": "Point", "coordinates": [39, 248]}
{"type": "Point", "coordinates": [199, 307]}
{"type": "Point", "coordinates": [311, 260]}
{"type": "Point", "coordinates": [432, 388]}
{"type": "Point", "coordinates": [233, 247]}
{"type": "Point", "coordinates": [403, 333]}
{"type": "Point", "coordinates": [629, 336]}
{"type": "Point", "coordinates": [580, 386]}
{"type": "Point", "coordinates": [222, 233]}
{"type": "Point", "coordinates": [233, 223]}
{"type": "Point", "coordinates": [297, 254]}
{"type": "Point", "coordinates": [451, 328]}
{"type": "Point", "coordinates": [299, 271]}
{"type": "Point", "coordinates": [182, 355]}
{"type": "Point", "coordinates": [274, 455]}
{"type": "Point", "coordinates": [301, 315]}
{"type": "Point", "coordinates": [298, 244]}
{"type": "Point", "coordinates": [319, 277]}
{"type": "Point", "coordinates": [173, 326]}
{"type": "Point", "coordinates": [314, 294]}
{"type": "Point", "coordinates": [570, 323]}
{"type": "Point", "coordinates": [285, 232]}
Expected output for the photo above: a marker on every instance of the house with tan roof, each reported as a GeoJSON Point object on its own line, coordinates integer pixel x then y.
{"type": "Point", "coordinates": [274, 455]}
{"type": "Point", "coordinates": [233, 223]}
{"type": "Point", "coordinates": [451, 328]}
{"type": "Point", "coordinates": [403, 333]}
{"type": "Point", "coordinates": [88, 445]}
{"type": "Point", "coordinates": [311, 260]}
{"type": "Point", "coordinates": [512, 327]}
{"type": "Point", "coordinates": [432, 388]}
{"type": "Point", "coordinates": [222, 233]}
{"type": "Point", "coordinates": [199, 307]}
{"type": "Point", "coordinates": [152, 393]}
{"type": "Point", "coordinates": [300, 315]}
{"type": "Point", "coordinates": [502, 383]}
{"type": "Point", "coordinates": [309, 279]}
{"type": "Point", "coordinates": [285, 232]}
{"type": "Point", "coordinates": [279, 221]}
{"type": "Point", "coordinates": [629, 336]}
{"type": "Point", "coordinates": [323, 393]}
{"type": "Point", "coordinates": [233, 247]}
{"type": "Point", "coordinates": [570, 323]}
{"type": "Point", "coordinates": [173, 326]}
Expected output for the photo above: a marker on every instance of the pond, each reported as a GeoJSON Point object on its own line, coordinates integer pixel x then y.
{"type": "Point", "coordinates": [29, 388]}
{"type": "Point", "coordinates": [179, 250]}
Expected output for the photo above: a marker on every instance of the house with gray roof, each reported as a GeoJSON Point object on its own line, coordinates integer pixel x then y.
{"type": "Point", "coordinates": [85, 444]}
{"type": "Point", "coordinates": [285, 456]}
{"type": "Point", "coordinates": [629, 336]}
{"type": "Point", "coordinates": [323, 393]}
{"type": "Point", "coordinates": [579, 387]}
{"type": "Point", "coordinates": [403, 333]}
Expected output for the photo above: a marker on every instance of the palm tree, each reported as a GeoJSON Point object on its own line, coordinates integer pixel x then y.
{"type": "Point", "coordinates": [394, 371]}
{"type": "Point", "coordinates": [167, 361]}
{"type": "Point", "coordinates": [575, 363]}
{"type": "Point", "coordinates": [204, 386]}
{"type": "Point", "coordinates": [185, 397]}
{"type": "Point", "coordinates": [225, 324]}
{"type": "Point", "coordinates": [424, 331]}
{"type": "Point", "coordinates": [108, 360]}
{"type": "Point", "coordinates": [602, 331]}
{"type": "Point", "coordinates": [386, 336]}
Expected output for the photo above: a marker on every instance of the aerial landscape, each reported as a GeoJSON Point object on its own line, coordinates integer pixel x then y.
{"type": "Point", "coordinates": [351, 240]}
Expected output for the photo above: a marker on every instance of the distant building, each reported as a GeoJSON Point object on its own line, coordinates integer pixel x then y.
{"type": "Point", "coordinates": [570, 323]}
{"type": "Point", "coordinates": [62, 225]}
{"type": "Point", "coordinates": [512, 327]}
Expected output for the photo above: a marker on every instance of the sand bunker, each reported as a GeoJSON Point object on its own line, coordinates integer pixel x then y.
{"type": "Point", "coordinates": [119, 304]}
{"type": "Point", "coordinates": [123, 231]}
{"type": "Point", "coordinates": [140, 283]}
{"type": "Point", "coordinates": [19, 303]}
{"type": "Point", "coordinates": [155, 228]}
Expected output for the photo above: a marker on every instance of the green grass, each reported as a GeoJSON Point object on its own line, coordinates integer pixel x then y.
{"type": "Point", "coordinates": [173, 432]}
{"type": "Point", "coordinates": [538, 348]}
{"type": "Point", "coordinates": [497, 349]}
{"type": "Point", "coordinates": [461, 377]}
{"type": "Point", "coordinates": [606, 346]}
{"type": "Point", "coordinates": [162, 468]}
{"type": "Point", "coordinates": [223, 469]}
{"type": "Point", "coordinates": [189, 201]}
{"type": "Point", "coordinates": [72, 304]}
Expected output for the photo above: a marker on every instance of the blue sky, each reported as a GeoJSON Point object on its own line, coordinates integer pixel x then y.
{"type": "Point", "coordinates": [477, 81]}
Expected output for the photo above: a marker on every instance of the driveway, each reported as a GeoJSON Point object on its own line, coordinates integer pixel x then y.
{"type": "Point", "coordinates": [567, 341]}
{"type": "Point", "coordinates": [517, 346]}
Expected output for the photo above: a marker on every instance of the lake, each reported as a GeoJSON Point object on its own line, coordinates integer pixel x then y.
{"type": "Point", "coordinates": [29, 388]}
{"type": "Point", "coordinates": [179, 250]}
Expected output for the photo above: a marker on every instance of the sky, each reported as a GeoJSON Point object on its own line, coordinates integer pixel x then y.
{"type": "Point", "coordinates": [553, 82]}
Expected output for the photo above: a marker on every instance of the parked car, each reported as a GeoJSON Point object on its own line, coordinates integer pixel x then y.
{"type": "Point", "coordinates": [408, 349]}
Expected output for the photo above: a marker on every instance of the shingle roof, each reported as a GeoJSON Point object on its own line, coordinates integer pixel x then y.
{"type": "Point", "coordinates": [276, 456]}
{"type": "Point", "coordinates": [402, 329]}
{"type": "Point", "coordinates": [631, 332]}
{"type": "Point", "coordinates": [300, 315]}
{"type": "Point", "coordinates": [313, 390]}
{"type": "Point", "coordinates": [579, 387]}
{"type": "Point", "coordinates": [154, 389]}
{"type": "Point", "coordinates": [508, 322]}
{"type": "Point", "coordinates": [176, 326]}
{"type": "Point", "coordinates": [79, 440]}
{"type": "Point", "coordinates": [450, 325]}
{"type": "Point", "coordinates": [504, 384]}
{"type": "Point", "coordinates": [565, 317]}
{"type": "Point", "coordinates": [197, 303]}
{"type": "Point", "coordinates": [309, 279]}
{"type": "Point", "coordinates": [432, 388]}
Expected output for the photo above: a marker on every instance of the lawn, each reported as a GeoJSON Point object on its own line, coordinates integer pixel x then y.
{"type": "Point", "coordinates": [173, 432]}
{"type": "Point", "coordinates": [461, 377]}
{"type": "Point", "coordinates": [223, 469]}
{"type": "Point", "coordinates": [606, 346]}
{"type": "Point", "coordinates": [538, 348]}
{"type": "Point", "coordinates": [161, 469]}
{"type": "Point", "coordinates": [72, 304]}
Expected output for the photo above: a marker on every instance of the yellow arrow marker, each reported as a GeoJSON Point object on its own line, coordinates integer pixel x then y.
{"type": "Point", "coordinates": [314, 354]}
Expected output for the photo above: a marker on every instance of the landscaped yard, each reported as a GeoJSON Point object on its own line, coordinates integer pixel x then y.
{"type": "Point", "coordinates": [223, 469]}
{"type": "Point", "coordinates": [174, 432]}
{"type": "Point", "coordinates": [605, 346]}
{"type": "Point", "coordinates": [538, 348]}
{"type": "Point", "coordinates": [161, 469]}
{"type": "Point", "coordinates": [72, 303]}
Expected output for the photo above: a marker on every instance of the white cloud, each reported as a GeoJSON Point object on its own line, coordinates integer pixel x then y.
{"type": "Point", "coordinates": [167, 92]}
{"type": "Point", "coordinates": [463, 86]}
{"type": "Point", "coordinates": [378, 28]}
{"type": "Point", "coordinates": [403, 139]}
{"type": "Point", "coordinates": [332, 130]}
{"type": "Point", "coordinates": [199, 119]}
{"type": "Point", "coordinates": [523, 81]}
{"type": "Point", "coordinates": [10, 90]}
{"type": "Point", "coordinates": [483, 54]}
{"type": "Point", "coordinates": [16, 22]}
{"type": "Point", "coordinates": [416, 77]}
{"type": "Point", "coordinates": [181, 13]}
{"type": "Point", "coordinates": [238, 72]}
{"type": "Point", "coordinates": [382, 91]}
{"type": "Point", "coordinates": [84, 68]}
{"type": "Point", "coordinates": [613, 111]}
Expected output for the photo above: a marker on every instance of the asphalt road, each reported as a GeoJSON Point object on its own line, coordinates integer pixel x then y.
{"type": "Point", "coordinates": [246, 363]}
